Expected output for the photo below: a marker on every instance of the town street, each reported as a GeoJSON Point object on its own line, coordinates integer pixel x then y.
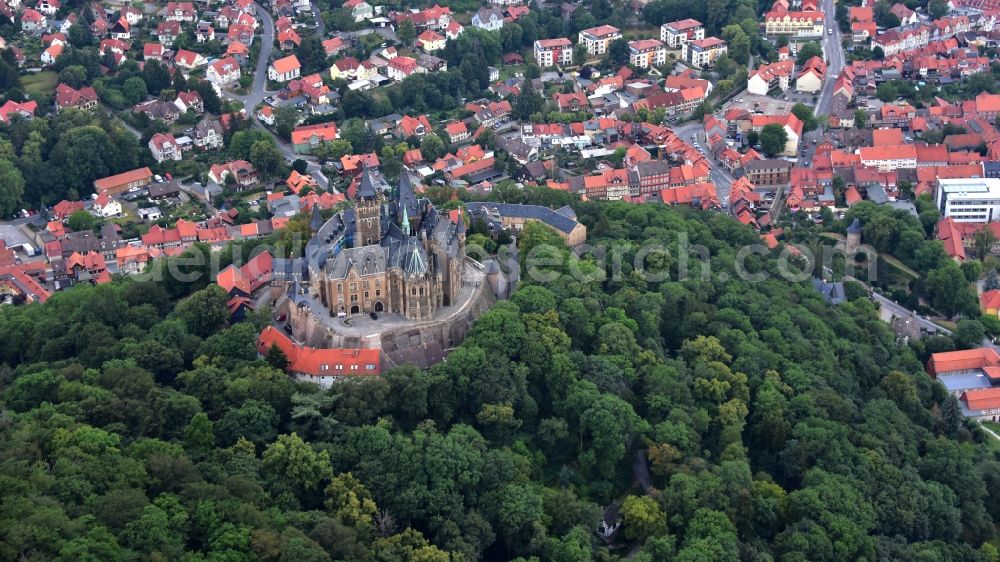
{"type": "Point", "coordinates": [720, 176]}
{"type": "Point", "coordinates": [834, 51]}
{"type": "Point", "coordinates": [259, 89]}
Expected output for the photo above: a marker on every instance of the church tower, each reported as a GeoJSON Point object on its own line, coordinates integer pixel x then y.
{"type": "Point", "coordinates": [367, 212]}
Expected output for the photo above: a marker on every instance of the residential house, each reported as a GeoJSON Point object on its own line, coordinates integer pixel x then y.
{"type": "Point", "coordinates": [51, 53]}
{"type": "Point", "coordinates": [360, 10]}
{"type": "Point", "coordinates": [345, 69]}
{"type": "Point", "coordinates": [811, 77]}
{"type": "Point", "coordinates": [906, 16]}
{"type": "Point", "coordinates": [401, 67]}
{"type": "Point", "coordinates": [208, 134]}
{"type": "Point", "coordinates": [121, 29]}
{"type": "Point", "coordinates": [488, 18]}
{"type": "Point", "coordinates": [33, 21]}
{"type": "Point", "coordinates": [773, 76]}
{"type": "Point", "coordinates": [190, 99]}
{"type": "Point", "coordinates": [48, 7]}
{"type": "Point", "coordinates": [333, 46]}
{"type": "Point", "coordinates": [494, 113]}
{"type": "Point", "coordinates": [154, 51]}
{"type": "Point", "coordinates": [10, 108]}
{"type": "Point", "coordinates": [123, 182]}
{"type": "Point", "coordinates": [83, 99]}
{"type": "Point", "coordinates": [768, 173]}
{"type": "Point", "coordinates": [889, 158]}
{"type": "Point", "coordinates": [204, 33]}
{"type": "Point", "coordinates": [571, 102]}
{"type": "Point", "coordinates": [167, 32]}
{"type": "Point", "coordinates": [266, 115]}
{"type": "Point", "coordinates": [791, 124]}
{"type": "Point", "coordinates": [158, 110]}
{"type": "Point", "coordinates": [289, 39]}
{"type": "Point", "coordinates": [189, 60]}
{"type": "Point", "coordinates": [224, 72]}
{"type": "Point", "coordinates": [284, 69]}
{"type": "Point", "coordinates": [64, 209]}
{"type": "Point", "coordinates": [413, 126]}
{"type": "Point", "coordinates": [676, 33]}
{"type": "Point", "coordinates": [308, 138]}
{"type": "Point", "coordinates": [180, 12]}
{"type": "Point", "coordinates": [597, 39]}
{"type": "Point", "coordinates": [163, 146]}
{"type": "Point", "coordinates": [242, 173]}
{"type": "Point", "coordinates": [553, 52]}
{"type": "Point", "coordinates": [453, 30]}
{"type": "Point", "coordinates": [106, 207]}
{"type": "Point", "coordinates": [457, 132]}
{"type": "Point", "coordinates": [431, 41]}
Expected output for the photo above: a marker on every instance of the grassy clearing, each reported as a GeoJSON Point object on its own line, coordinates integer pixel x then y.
{"type": "Point", "coordinates": [40, 83]}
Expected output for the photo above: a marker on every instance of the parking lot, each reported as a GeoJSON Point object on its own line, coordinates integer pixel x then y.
{"type": "Point", "coordinates": [768, 105]}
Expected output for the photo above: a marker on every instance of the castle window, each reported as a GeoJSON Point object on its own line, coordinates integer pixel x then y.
{"type": "Point", "coordinates": [340, 287]}
{"type": "Point", "coordinates": [421, 291]}
{"type": "Point", "coordinates": [366, 295]}
{"type": "Point", "coordinates": [364, 284]}
{"type": "Point", "coordinates": [354, 298]}
{"type": "Point", "coordinates": [378, 293]}
{"type": "Point", "coordinates": [354, 287]}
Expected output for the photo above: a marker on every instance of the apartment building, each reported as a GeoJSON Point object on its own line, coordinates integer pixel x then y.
{"type": "Point", "coordinates": [597, 39]}
{"type": "Point", "coordinates": [646, 53]}
{"type": "Point", "coordinates": [552, 52]}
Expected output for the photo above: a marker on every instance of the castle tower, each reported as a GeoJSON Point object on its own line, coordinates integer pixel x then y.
{"type": "Point", "coordinates": [367, 212]}
{"type": "Point", "coordinates": [853, 238]}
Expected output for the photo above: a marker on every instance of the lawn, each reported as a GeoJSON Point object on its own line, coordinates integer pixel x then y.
{"type": "Point", "coordinates": [993, 442]}
{"type": "Point", "coordinates": [39, 84]}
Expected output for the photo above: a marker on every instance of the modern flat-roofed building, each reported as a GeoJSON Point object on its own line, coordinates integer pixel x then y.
{"type": "Point", "coordinates": [646, 53]}
{"type": "Point", "coordinates": [552, 52]}
{"type": "Point", "coordinates": [969, 199]}
{"type": "Point", "coordinates": [703, 52]}
{"type": "Point", "coordinates": [597, 39]}
{"type": "Point", "coordinates": [676, 33]}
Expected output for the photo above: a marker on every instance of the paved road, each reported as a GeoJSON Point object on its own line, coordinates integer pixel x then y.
{"type": "Point", "coordinates": [834, 57]}
{"type": "Point", "coordinates": [320, 24]}
{"type": "Point", "coordinates": [259, 89]}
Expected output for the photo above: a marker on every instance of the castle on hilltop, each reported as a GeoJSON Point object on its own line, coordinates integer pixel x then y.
{"type": "Point", "coordinates": [392, 252]}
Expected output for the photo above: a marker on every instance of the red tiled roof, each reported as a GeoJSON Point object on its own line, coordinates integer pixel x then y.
{"type": "Point", "coordinates": [321, 362]}
{"type": "Point", "coordinates": [982, 399]}
{"type": "Point", "coordinates": [964, 360]}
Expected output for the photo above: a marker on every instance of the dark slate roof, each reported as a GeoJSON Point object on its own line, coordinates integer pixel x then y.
{"type": "Point", "coordinates": [317, 219]}
{"type": "Point", "coordinates": [368, 185]}
{"type": "Point", "coordinates": [855, 227]}
{"type": "Point", "coordinates": [537, 212]}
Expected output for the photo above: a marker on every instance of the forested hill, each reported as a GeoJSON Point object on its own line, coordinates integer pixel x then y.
{"type": "Point", "coordinates": [136, 425]}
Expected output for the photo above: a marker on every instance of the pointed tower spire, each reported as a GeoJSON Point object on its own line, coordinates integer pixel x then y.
{"type": "Point", "coordinates": [316, 221]}
{"type": "Point", "coordinates": [367, 188]}
{"type": "Point", "coordinates": [406, 222]}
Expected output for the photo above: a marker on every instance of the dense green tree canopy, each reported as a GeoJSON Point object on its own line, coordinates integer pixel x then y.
{"type": "Point", "coordinates": [761, 422]}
